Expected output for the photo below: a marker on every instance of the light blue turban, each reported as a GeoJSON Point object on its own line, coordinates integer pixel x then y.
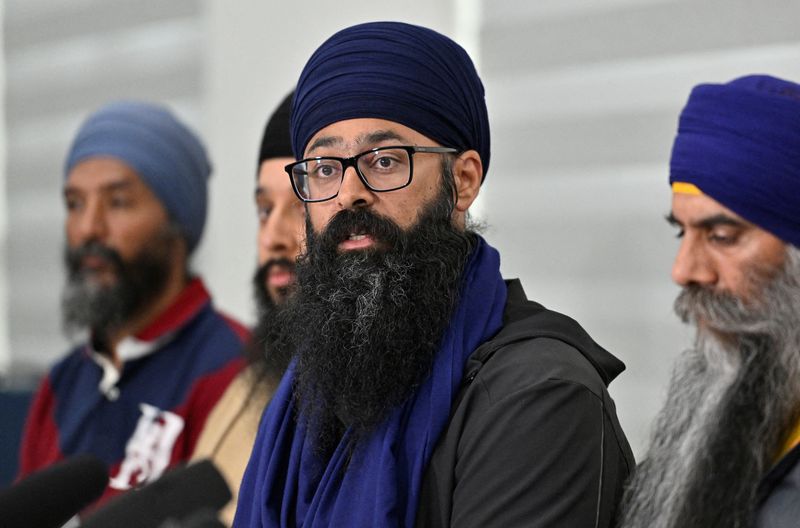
{"type": "Point", "coordinates": [165, 154]}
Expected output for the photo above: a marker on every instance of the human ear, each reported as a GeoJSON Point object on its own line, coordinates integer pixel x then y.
{"type": "Point", "coordinates": [467, 176]}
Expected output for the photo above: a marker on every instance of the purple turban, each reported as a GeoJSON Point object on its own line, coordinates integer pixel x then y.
{"type": "Point", "coordinates": [399, 72]}
{"type": "Point", "coordinates": [739, 143]}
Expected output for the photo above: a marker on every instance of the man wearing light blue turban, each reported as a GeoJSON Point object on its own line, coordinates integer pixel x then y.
{"type": "Point", "coordinates": [424, 390]}
{"type": "Point", "coordinates": [158, 355]}
{"type": "Point", "coordinates": [726, 445]}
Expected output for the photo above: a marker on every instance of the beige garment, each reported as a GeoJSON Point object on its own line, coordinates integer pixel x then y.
{"type": "Point", "coordinates": [230, 431]}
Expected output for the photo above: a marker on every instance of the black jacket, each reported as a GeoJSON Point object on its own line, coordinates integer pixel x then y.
{"type": "Point", "coordinates": [778, 496]}
{"type": "Point", "coordinates": [533, 438]}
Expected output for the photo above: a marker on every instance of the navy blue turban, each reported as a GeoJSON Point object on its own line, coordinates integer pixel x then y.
{"type": "Point", "coordinates": [163, 152]}
{"type": "Point", "coordinates": [399, 72]}
{"type": "Point", "coordinates": [739, 143]}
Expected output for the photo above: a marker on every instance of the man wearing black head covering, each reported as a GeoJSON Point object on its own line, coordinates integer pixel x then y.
{"type": "Point", "coordinates": [423, 389]}
{"type": "Point", "coordinates": [231, 427]}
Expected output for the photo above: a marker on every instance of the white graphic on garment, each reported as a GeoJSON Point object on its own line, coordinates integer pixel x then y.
{"type": "Point", "coordinates": [148, 451]}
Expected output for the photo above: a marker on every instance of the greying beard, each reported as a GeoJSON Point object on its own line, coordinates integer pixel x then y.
{"type": "Point", "coordinates": [367, 324]}
{"type": "Point", "coordinates": [86, 304]}
{"type": "Point", "coordinates": [732, 401]}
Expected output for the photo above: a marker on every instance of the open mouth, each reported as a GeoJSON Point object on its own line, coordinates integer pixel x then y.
{"type": "Point", "coordinates": [280, 277]}
{"type": "Point", "coordinates": [357, 240]}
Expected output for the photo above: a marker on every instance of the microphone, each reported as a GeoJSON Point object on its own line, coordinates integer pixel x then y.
{"type": "Point", "coordinates": [174, 497]}
{"type": "Point", "coordinates": [50, 497]}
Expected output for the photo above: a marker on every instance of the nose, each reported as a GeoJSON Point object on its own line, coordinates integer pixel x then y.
{"type": "Point", "coordinates": [693, 265]}
{"type": "Point", "coordinates": [354, 193]}
{"type": "Point", "coordinates": [91, 222]}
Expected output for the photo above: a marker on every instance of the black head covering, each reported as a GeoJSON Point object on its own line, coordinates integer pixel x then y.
{"type": "Point", "coordinates": [277, 142]}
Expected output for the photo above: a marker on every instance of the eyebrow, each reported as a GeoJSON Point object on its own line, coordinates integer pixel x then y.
{"type": "Point", "coordinates": [325, 141]}
{"type": "Point", "coordinates": [365, 139]}
{"type": "Point", "coordinates": [708, 222]}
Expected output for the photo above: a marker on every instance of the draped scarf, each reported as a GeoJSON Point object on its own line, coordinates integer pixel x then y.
{"type": "Point", "coordinates": [378, 481]}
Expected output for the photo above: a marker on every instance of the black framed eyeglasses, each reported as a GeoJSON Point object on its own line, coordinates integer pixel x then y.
{"type": "Point", "coordinates": [381, 169]}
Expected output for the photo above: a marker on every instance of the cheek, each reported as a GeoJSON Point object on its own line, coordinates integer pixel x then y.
{"type": "Point", "coordinates": [130, 238]}
{"type": "Point", "coordinates": [404, 212]}
{"type": "Point", "coordinates": [262, 254]}
{"type": "Point", "coordinates": [742, 279]}
{"type": "Point", "coordinates": [70, 231]}
{"type": "Point", "coordinates": [319, 215]}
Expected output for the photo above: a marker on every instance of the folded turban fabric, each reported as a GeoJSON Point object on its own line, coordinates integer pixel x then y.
{"type": "Point", "coordinates": [163, 152]}
{"type": "Point", "coordinates": [739, 143]}
{"type": "Point", "coordinates": [399, 72]}
{"type": "Point", "coordinates": [276, 141]}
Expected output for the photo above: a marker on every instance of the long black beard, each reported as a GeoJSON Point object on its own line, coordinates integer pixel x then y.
{"type": "Point", "coordinates": [731, 404]}
{"type": "Point", "coordinates": [367, 324]}
{"type": "Point", "coordinates": [104, 308]}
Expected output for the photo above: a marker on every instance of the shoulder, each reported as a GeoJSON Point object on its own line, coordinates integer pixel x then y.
{"type": "Point", "coordinates": [218, 329]}
{"type": "Point", "coordinates": [528, 363]}
{"type": "Point", "coordinates": [537, 345]}
{"type": "Point", "coordinates": [206, 389]}
{"type": "Point", "coordinates": [74, 364]}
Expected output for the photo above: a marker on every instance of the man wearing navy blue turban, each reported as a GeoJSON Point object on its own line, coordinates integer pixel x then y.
{"type": "Point", "coordinates": [137, 390]}
{"type": "Point", "coordinates": [423, 389]}
{"type": "Point", "coordinates": [724, 450]}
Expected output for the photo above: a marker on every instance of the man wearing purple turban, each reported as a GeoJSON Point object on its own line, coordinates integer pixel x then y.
{"type": "Point", "coordinates": [423, 389]}
{"type": "Point", "coordinates": [724, 449]}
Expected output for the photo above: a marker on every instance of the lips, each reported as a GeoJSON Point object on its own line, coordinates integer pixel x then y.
{"type": "Point", "coordinates": [357, 241]}
{"type": "Point", "coordinates": [95, 264]}
{"type": "Point", "coordinates": [280, 277]}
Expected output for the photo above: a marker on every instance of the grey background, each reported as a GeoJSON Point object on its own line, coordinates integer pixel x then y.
{"type": "Point", "coordinates": [583, 99]}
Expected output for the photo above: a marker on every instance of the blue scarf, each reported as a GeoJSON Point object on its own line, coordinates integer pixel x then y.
{"type": "Point", "coordinates": [286, 484]}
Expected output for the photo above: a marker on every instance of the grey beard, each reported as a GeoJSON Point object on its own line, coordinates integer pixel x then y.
{"type": "Point", "coordinates": [731, 403]}
{"type": "Point", "coordinates": [89, 305]}
{"type": "Point", "coordinates": [103, 309]}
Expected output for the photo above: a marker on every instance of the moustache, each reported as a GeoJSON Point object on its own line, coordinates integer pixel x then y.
{"type": "Point", "coordinates": [719, 310]}
{"type": "Point", "coordinates": [262, 272]}
{"type": "Point", "coordinates": [261, 278]}
{"type": "Point", "coordinates": [281, 262]}
{"type": "Point", "coordinates": [75, 256]}
{"type": "Point", "coordinates": [363, 222]}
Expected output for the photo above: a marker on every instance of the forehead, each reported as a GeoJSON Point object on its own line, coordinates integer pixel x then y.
{"type": "Point", "coordinates": [355, 135]}
{"type": "Point", "coordinates": [98, 173]}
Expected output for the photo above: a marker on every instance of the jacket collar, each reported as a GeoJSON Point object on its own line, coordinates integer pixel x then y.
{"type": "Point", "coordinates": [525, 317]}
